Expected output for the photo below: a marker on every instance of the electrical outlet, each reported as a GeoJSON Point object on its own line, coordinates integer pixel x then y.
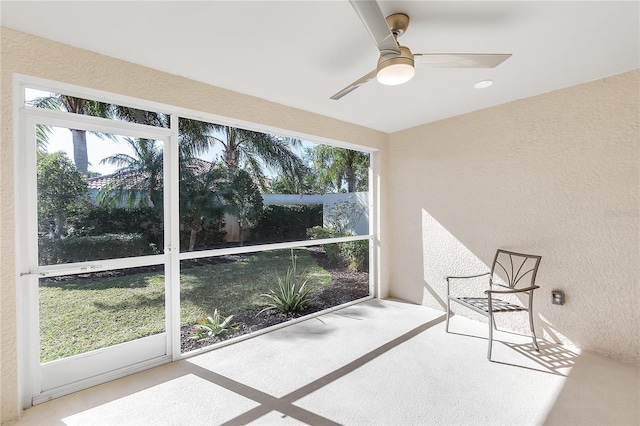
{"type": "Point", "coordinates": [557, 297]}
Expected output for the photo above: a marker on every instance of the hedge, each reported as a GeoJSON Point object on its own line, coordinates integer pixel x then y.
{"type": "Point", "coordinates": [81, 249]}
{"type": "Point", "coordinates": [286, 223]}
{"type": "Point", "coordinates": [98, 220]}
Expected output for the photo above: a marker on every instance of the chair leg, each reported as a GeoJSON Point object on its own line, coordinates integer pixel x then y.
{"type": "Point", "coordinates": [533, 332]}
{"type": "Point", "coordinates": [491, 325]}
{"type": "Point", "coordinates": [448, 314]}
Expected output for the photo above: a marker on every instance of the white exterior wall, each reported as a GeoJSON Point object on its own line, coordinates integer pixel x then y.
{"type": "Point", "coordinates": [356, 225]}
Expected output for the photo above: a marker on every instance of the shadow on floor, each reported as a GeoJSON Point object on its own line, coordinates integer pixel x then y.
{"type": "Point", "coordinates": [552, 357]}
{"type": "Point", "coordinates": [62, 408]}
{"type": "Point", "coordinates": [285, 404]}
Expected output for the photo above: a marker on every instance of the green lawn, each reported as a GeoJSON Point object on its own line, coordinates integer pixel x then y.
{"type": "Point", "coordinates": [81, 314]}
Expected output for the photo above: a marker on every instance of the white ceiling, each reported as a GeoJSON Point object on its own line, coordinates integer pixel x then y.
{"type": "Point", "coordinates": [299, 53]}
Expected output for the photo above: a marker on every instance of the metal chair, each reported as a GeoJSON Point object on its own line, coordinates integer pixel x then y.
{"type": "Point", "coordinates": [511, 273]}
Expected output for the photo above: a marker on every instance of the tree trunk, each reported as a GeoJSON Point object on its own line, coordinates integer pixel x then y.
{"type": "Point", "coordinates": [351, 179]}
{"type": "Point", "coordinates": [196, 225]}
{"type": "Point", "coordinates": [232, 152]}
{"type": "Point", "coordinates": [58, 229]}
{"type": "Point", "coordinates": [80, 150]}
{"type": "Point", "coordinates": [156, 199]}
{"type": "Point", "coordinates": [192, 239]}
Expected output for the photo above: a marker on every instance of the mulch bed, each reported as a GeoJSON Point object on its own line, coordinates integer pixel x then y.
{"type": "Point", "coordinates": [347, 286]}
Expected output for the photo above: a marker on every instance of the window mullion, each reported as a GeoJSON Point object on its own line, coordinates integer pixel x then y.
{"type": "Point", "coordinates": [172, 238]}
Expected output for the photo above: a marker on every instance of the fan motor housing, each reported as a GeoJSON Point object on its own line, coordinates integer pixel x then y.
{"type": "Point", "coordinates": [398, 23]}
{"type": "Point", "coordinates": [405, 57]}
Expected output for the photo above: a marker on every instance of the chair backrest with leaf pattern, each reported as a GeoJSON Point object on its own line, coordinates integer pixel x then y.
{"type": "Point", "coordinates": [514, 270]}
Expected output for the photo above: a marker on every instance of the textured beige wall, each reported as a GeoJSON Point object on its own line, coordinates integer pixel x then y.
{"type": "Point", "coordinates": [555, 175]}
{"type": "Point", "coordinates": [26, 54]}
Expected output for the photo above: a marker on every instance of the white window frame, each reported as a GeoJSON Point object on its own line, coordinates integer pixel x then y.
{"type": "Point", "coordinates": [24, 113]}
{"type": "Point", "coordinates": [33, 386]}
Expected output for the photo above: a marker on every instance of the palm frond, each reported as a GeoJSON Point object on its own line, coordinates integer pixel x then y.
{"type": "Point", "coordinates": [275, 152]}
{"type": "Point", "coordinates": [139, 178]}
{"type": "Point", "coordinates": [47, 102]}
{"type": "Point", "coordinates": [42, 138]}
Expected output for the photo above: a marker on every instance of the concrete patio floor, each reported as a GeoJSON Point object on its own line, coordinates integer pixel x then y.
{"type": "Point", "coordinates": [379, 362]}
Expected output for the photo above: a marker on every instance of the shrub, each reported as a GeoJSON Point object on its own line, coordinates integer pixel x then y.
{"type": "Point", "coordinates": [62, 189]}
{"type": "Point", "coordinates": [331, 250]}
{"type": "Point", "coordinates": [211, 325]}
{"type": "Point", "coordinates": [99, 220]}
{"type": "Point", "coordinates": [292, 294]}
{"type": "Point", "coordinates": [319, 233]}
{"type": "Point", "coordinates": [82, 249]}
{"type": "Point", "coordinates": [357, 254]}
{"type": "Point", "coordinates": [211, 234]}
{"type": "Point", "coordinates": [354, 254]}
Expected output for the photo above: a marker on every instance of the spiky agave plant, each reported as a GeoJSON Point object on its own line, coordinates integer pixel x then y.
{"type": "Point", "coordinates": [292, 293]}
{"type": "Point", "coordinates": [212, 325]}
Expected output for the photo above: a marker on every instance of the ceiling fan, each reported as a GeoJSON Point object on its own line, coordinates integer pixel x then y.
{"type": "Point", "coordinates": [396, 64]}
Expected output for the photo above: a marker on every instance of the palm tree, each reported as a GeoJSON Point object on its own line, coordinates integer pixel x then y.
{"type": "Point", "coordinates": [243, 200]}
{"type": "Point", "coordinates": [252, 150]}
{"type": "Point", "coordinates": [240, 146]}
{"type": "Point", "coordinates": [76, 106]}
{"type": "Point", "coordinates": [138, 179]}
{"type": "Point", "coordinates": [337, 166]}
{"type": "Point", "coordinates": [200, 200]}
{"type": "Point", "coordinates": [138, 182]}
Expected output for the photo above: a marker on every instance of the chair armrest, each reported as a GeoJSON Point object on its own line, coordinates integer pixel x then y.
{"type": "Point", "coordinates": [518, 290]}
{"type": "Point", "coordinates": [467, 276]}
{"type": "Point", "coordinates": [450, 277]}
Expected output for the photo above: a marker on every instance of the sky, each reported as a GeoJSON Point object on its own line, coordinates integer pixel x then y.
{"type": "Point", "coordinates": [97, 148]}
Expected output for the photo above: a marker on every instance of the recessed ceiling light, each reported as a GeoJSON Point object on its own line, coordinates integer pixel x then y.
{"type": "Point", "coordinates": [483, 84]}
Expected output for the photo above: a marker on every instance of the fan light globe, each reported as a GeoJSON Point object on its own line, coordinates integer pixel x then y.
{"type": "Point", "coordinates": [395, 74]}
{"type": "Point", "coordinates": [396, 68]}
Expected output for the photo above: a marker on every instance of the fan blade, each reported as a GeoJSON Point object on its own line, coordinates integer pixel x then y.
{"type": "Point", "coordinates": [376, 24]}
{"type": "Point", "coordinates": [460, 60]}
{"type": "Point", "coordinates": [353, 86]}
